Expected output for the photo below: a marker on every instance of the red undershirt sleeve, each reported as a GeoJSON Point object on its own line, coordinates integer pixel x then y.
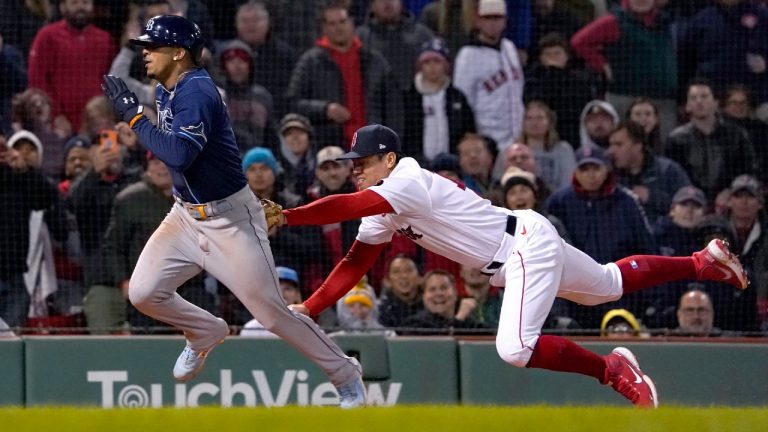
{"type": "Point", "coordinates": [344, 276]}
{"type": "Point", "coordinates": [339, 208]}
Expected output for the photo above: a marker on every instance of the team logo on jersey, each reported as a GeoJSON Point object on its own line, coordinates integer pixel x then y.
{"type": "Point", "coordinates": [150, 24]}
{"type": "Point", "coordinates": [196, 130]}
{"type": "Point", "coordinates": [165, 119]}
{"type": "Point", "coordinates": [408, 232]}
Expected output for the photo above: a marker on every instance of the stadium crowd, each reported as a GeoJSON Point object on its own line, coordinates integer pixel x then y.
{"type": "Point", "coordinates": [635, 126]}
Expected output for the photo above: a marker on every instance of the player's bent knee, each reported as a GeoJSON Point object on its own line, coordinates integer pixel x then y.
{"type": "Point", "coordinates": [143, 299]}
{"type": "Point", "coordinates": [515, 355]}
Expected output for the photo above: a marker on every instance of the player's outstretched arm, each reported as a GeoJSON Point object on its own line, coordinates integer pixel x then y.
{"type": "Point", "coordinates": [344, 276]}
{"type": "Point", "coordinates": [338, 208]}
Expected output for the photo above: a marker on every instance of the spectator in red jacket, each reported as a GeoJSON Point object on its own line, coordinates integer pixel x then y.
{"type": "Point", "coordinates": [633, 47]}
{"type": "Point", "coordinates": [68, 58]}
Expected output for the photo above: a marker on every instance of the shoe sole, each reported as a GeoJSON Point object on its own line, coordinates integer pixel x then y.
{"type": "Point", "coordinates": [720, 251]}
{"type": "Point", "coordinates": [199, 369]}
{"type": "Point", "coordinates": [627, 354]}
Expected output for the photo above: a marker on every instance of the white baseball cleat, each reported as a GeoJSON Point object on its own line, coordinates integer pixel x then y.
{"type": "Point", "coordinates": [190, 362]}
{"type": "Point", "coordinates": [352, 393]}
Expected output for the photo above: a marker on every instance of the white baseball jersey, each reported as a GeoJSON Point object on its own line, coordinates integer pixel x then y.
{"type": "Point", "coordinates": [531, 261]}
{"type": "Point", "coordinates": [438, 214]}
{"type": "Point", "coordinates": [492, 80]}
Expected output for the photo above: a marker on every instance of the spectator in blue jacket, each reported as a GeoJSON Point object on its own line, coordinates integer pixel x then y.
{"type": "Point", "coordinates": [653, 179]}
{"type": "Point", "coordinates": [603, 220]}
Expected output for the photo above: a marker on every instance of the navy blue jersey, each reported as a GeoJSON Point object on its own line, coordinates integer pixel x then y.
{"type": "Point", "coordinates": [194, 138]}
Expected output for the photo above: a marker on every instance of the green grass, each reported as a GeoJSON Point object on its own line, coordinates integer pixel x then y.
{"type": "Point", "coordinates": [392, 419]}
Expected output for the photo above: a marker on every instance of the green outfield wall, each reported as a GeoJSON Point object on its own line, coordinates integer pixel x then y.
{"type": "Point", "coordinates": [136, 371]}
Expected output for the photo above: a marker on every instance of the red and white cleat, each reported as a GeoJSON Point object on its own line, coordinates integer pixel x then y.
{"type": "Point", "coordinates": [625, 376]}
{"type": "Point", "coordinates": [716, 263]}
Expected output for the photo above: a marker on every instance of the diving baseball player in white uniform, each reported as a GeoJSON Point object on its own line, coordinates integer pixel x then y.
{"type": "Point", "coordinates": [520, 249]}
{"type": "Point", "coordinates": [217, 224]}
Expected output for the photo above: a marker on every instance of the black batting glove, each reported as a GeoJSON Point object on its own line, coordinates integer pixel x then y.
{"type": "Point", "coordinates": [124, 101]}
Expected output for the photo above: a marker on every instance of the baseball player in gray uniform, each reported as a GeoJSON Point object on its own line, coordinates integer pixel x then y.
{"type": "Point", "coordinates": [217, 224]}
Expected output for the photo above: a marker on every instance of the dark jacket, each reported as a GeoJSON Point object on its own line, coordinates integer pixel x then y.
{"type": "Point", "coordinates": [461, 120]}
{"type": "Point", "coordinates": [136, 213]}
{"type": "Point", "coordinates": [663, 177]}
{"type": "Point", "coordinates": [272, 65]}
{"type": "Point", "coordinates": [426, 323]}
{"type": "Point", "coordinates": [394, 312]}
{"type": "Point", "coordinates": [316, 82]}
{"type": "Point", "coordinates": [606, 227]}
{"type": "Point", "coordinates": [716, 43]}
{"type": "Point", "coordinates": [20, 193]}
{"type": "Point", "coordinates": [713, 160]}
{"type": "Point", "coordinates": [91, 199]}
{"type": "Point", "coordinates": [399, 43]}
{"type": "Point", "coordinates": [758, 135]}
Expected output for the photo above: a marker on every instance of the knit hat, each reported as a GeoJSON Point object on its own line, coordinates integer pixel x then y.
{"type": "Point", "coordinates": [491, 8]}
{"type": "Point", "coordinates": [434, 49]}
{"type": "Point", "coordinates": [622, 315]}
{"type": "Point", "coordinates": [29, 136]}
{"type": "Point", "coordinates": [239, 49]}
{"type": "Point", "coordinates": [260, 155]}
{"type": "Point", "coordinates": [515, 176]}
{"type": "Point", "coordinates": [359, 295]}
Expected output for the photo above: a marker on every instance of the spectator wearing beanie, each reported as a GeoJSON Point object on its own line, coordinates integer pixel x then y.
{"type": "Point", "coordinates": [438, 113]}
{"type": "Point", "coordinates": [250, 105]}
{"type": "Point", "coordinates": [295, 247]}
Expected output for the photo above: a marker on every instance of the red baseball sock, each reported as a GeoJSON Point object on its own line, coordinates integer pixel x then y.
{"type": "Point", "coordinates": [644, 271]}
{"type": "Point", "coordinates": [560, 354]}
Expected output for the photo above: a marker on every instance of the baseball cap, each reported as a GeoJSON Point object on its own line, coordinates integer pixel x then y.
{"type": "Point", "coordinates": [372, 139]}
{"type": "Point", "coordinates": [748, 183]}
{"type": "Point", "coordinates": [287, 273]}
{"type": "Point", "coordinates": [293, 120]}
{"type": "Point", "coordinates": [689, 193]}
{"type": "Point", "coordinates": [445, 162]}
{"type": "Point", "coordinates": [515, 175]}
{"type": "Point", "coordinates": [491, 7]}
{"type": "Point", "coordinates": [329, 153]}
{"type": "Point", "coordinates": [76, 141]}
{"type": "Point", "coordinates": [595, 155]}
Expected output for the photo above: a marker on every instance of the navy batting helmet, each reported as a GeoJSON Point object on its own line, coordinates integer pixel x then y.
{"type": "Point", "coordinates": [171, 30]}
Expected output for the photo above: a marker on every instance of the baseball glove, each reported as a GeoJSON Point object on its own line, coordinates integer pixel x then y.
{"type": "Point", "coordinates": [273, 213]}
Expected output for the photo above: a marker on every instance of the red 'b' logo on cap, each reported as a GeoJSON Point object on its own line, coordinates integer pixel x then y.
{"type": "Point", "coordinates": [354, 141]}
